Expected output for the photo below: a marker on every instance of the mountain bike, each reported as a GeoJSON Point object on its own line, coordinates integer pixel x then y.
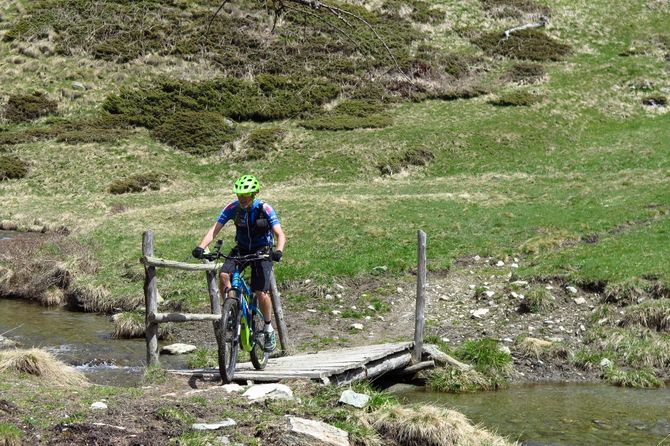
{"type": "Point", "coordinates": [241, 322]}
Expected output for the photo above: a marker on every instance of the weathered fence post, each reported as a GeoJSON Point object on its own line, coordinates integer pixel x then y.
{"type": "Point", "coordinates": [215, 297]}
{"type": "Point", "coordinates": [150, 301]}
{"type": "Point", "coordinates": [279, 314]}
{"type": "Point", "coordinates": [420, 298]}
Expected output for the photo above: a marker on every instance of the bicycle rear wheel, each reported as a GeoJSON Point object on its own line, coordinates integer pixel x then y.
{"type": "Point", "coordinates": [259, 357]}
{"type": "Point", "coordinates": [229, 340]}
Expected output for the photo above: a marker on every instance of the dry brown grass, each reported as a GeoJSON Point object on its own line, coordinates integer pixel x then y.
{"type": "Point", "coordinates": [42, 364]}
{"type": "Point", "coordinates": [539, 348]}
{"type": "Point", "coordinates": [429, 425]}
{"type": "Point", "coordinates": [652, 314]}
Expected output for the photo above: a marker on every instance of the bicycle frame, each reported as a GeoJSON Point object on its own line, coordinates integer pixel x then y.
{"type": "Point", "coordinates": [248, 307]}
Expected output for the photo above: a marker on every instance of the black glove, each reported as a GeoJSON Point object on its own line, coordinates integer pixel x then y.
{"type": "Point", "coordinates": [198, 252]}
{"type": "Point", "coordinates": [276, 255]}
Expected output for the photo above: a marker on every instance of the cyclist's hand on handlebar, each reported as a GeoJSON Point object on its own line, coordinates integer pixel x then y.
{"type": "Point", "coordinates": [276, 255]}
{"type": "Point", "coordinates": [198, 252]}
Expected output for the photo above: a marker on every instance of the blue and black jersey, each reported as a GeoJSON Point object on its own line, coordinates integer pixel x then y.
{"type": "Point", "coordinates": [253, 225]}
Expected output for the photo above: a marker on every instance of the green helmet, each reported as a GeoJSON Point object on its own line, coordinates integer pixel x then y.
{"type": "Point", "coordinates": [246, 184]}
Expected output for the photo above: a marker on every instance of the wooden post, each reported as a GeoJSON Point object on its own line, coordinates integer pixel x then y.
{"type": "Point", "coordinates": [420, 298]}
{"type": "Point", "coordinates": [150, 301]}
{"type": "Point", "coordinates": [214, 297]}
{"type": "Point", "coordinates": [279, 314]}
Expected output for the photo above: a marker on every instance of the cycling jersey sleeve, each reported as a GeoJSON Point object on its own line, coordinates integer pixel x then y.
{"type": "Point", "coordinates": [228, 213]}
{"type": "Point", "coordinates": [272, 215]}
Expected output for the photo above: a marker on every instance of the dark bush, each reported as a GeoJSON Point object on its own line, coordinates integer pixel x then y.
{"type": "Point", "coordinates": [529, 44]}
{"type": "Point", "coordinates": [12, 168]}
{"type": "Point", "coordinates": [197, 133]}
{"type": "Point", "coordinates": [413, 157]}
{"type": "Point", "coordinates": [23, 108]}
{"type": "Point", "coordinates": [137, 183]}
{"type": "Point", "coordinates": [655, 100]}
{"type": "Point", "coordinates": [347, 122]}
{"type": "Point", "coordinates": [261, 141]}
{"type": "Point", "coordinates": [354, 107]}
{"type": "Point", "coordinates": [524, 72]}
{"type": "Point", "coordinates": [459, 92]}
{"type": "Point", "coordinates": [516, 98]}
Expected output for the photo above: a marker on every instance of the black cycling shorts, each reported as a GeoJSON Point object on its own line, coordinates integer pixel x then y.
{"type": "Point", "coordinates": [260, 270]}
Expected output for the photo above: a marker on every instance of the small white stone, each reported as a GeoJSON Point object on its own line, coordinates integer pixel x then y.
{"type": "Point", "coordinates": [339, 287]}
{"type": "Point", "coordinates": [307, 281]}
{"type": "Point", "coordinates": [472, 287]}
{"type": "Point", "coordinates": [477, 258]}
{"type": "Point", "coordinates": [582, 327]}
{"type": "Point", "coordinates": [479, 313]}
{"type": "Point", "coordinates": [367, 318]}
{"type": "Point", "coordinates": [605, 363]}
{"type": "Point", "coordinates": [514, 265]}
{"type": "Point", "coordinates": [311, 310]}
{"type": "Point", "coordinates": [398, 290]}
{"type": "Point", "coordinates": [329, 297]}
{"type": "Point", "coordinates": [213, 426]}
{"type": "Point", "coordinates": [336, 312]}
{"type": "Point", "coordinates": [353, 307]}
{"type": "Point", "coordinates": [514, 295]}
{"type": "Point", "coordinates": [500, 263]}
{"type": "Point", "coordinates": [489, 293]}
{"type": "Point", "coordinates": [370, 307]}
{"type": "Point", "coordinates": [571, 289]}
{"type": "Point", "coordinates": [548, 287]}
{"type": "Point", "coordinates": [357, 326]}
{"type": "Point", "coordinates": [580, 301]}
{"type": "Point", "coordinates": [98, 405]}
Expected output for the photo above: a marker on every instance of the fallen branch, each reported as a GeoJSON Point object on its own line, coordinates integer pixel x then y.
{"type": "Point", "coordinates": [11, 330]}
{"type": "Point", "coordinates": [442, 358]}
{"type": "Point", "coordinates": [542, 22]}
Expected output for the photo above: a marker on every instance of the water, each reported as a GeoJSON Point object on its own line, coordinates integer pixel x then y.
{"type": "Point", "coordinates": [570, 414]}
{"type": "Point", "coordinates": [80, 339]}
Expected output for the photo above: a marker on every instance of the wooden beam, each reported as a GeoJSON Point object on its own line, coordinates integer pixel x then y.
{"type": "Point", "coordinates": [419, 319]}
{"type": "Point", "coordinates": [150, 300]}
{"type": "Point", "coordinates": [413, 369]}
{"type": "Point", "coordinates": [150, 260]}
{"type": "Point", "coordinates": [442, 358]}
{"type": "Point", "coordinates": [183, 317]}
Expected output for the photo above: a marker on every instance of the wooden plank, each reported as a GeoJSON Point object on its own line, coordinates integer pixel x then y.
{"type": "Point", "coordinates": [150, 260]}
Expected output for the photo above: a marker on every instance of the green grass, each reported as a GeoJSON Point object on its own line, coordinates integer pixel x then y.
{"type": "Point", "coordinates": [531, 181]}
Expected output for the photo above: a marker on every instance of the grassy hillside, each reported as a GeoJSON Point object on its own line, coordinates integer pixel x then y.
{"type": "Point", "coordinates": [550, 146]}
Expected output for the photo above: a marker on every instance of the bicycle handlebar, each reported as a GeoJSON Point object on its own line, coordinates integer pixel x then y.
{"type": "Point", "coordinates": [245, 258]}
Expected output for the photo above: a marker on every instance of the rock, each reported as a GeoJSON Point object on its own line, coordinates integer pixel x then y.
{"type": "Point", "coordinates": [99, 405]}
{"type": "Point", "coordinates": [260, 392]}
{"type": "Point", "coordinates": [489, 293]}
{"type": "Point", "coordinates": [500, 263]}
{"type": "Point", "coordinates": [379, 269]}
{"type": "Point", "coordinates": [329, 297]}
{"type": "Point", "coordinates": [339, 287]}
{"type": "Point", "coordinates": [514, 265]}
{"type": "Point", "coordinates": [479, 313]}
{"type": "Point", "coordinates": [403, 388]}
{"type": "Point", "coordinates": [356, 326]}
{"type": "Point", "coordinates": [605, 363]}
{"type": "Point", "coordinates": [352, 398]}
{"type": "Point", "coordinates": [178, 349]}
{"type": "Point", "coordinates": [505, 349]}
{"type": "Point", "coordinates": [230, 388]}
{"type": "Point", "coordinates": [311, 310]}
{"type": "Point", "coordinates": [213, 426]}
{"type": "Point", "coordinates": [78, 86]}
{"type": "Point", "coordinates": [580, 301]}
{"type": "Point", "coordinates": [571, 289]}
{"type": "Point", "coordinates": [399, 290]}
{"type": "Point", "coordinates": [336, 312]}
{"type": "Point", "coordinates": [318, 432]}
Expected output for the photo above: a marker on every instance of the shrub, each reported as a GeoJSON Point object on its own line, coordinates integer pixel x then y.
{"type": "Point", "coordinates": [528, 44]}
{"type": "Point", "coordinates": [458, 381]}
{"type": "Point", "coordinates": [197, 133]}
{"type": "Point", "coordinates": [261, 141]}
{"type": "Point", "coordinates": [23, 108]}
{"type": "Point", "coordinates": [516, 99]}
{"type": "Point", "coordinates": [524, 72]}
{"type": "Point", "coordinates": [413, 157]}
{"type": "Point", "coordinates": [640, 379]}
{"type": "Point", "coordinates": [12, 168]}
{"type": "Point", "coordinates": [347, 122]}
{"type": "Point", "coordinates": [656, 100]}
{"type": "Point", "coordinates": [458, 92]}
{"type": "Point", "coordinates": [137, 183]}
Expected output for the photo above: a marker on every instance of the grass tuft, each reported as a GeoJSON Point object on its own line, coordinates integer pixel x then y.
{"type": "Point", "coordinates": [10, 435]}
{"type": "Point", "coordinates": [42, 364]}
{"type": "Point", "coordinates": [653, 314]}
{"type": "Point", "coordinates": [639, 379]}
{"type": "Point", "coordinates": [517, 98]}
{"type": "Point", "coordinates": [137, 183]}
{"type": "Point", "coordinates": [537, 300]}
{"type": "Point", "coordinates": [430, 425]}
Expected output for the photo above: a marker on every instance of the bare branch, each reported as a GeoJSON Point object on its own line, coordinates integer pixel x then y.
{"type": "Point", "coordinates": [215, 14]}
{"type": "Point", "coordinates": [542, 22]}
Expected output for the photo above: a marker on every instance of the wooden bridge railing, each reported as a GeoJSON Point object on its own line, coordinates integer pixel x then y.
{"type": "Point", "coordinates": [153, 317]}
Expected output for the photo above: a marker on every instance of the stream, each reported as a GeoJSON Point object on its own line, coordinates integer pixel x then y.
{"type": "Point", "coordinates": [80, 339]}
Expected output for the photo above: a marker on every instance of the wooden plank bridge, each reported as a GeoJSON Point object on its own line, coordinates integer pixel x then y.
{"type": "Point", "coordinates": [338, 366]}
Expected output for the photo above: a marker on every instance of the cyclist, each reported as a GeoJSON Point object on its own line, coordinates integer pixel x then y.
{"type": "Point", "coordinates": [256, 226]}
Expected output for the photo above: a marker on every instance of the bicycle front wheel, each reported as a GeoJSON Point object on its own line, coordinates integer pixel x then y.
{"type": "Point", "coordinates": [259, 357]}
{"type": "Point", "coordinates": [229, 340]}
